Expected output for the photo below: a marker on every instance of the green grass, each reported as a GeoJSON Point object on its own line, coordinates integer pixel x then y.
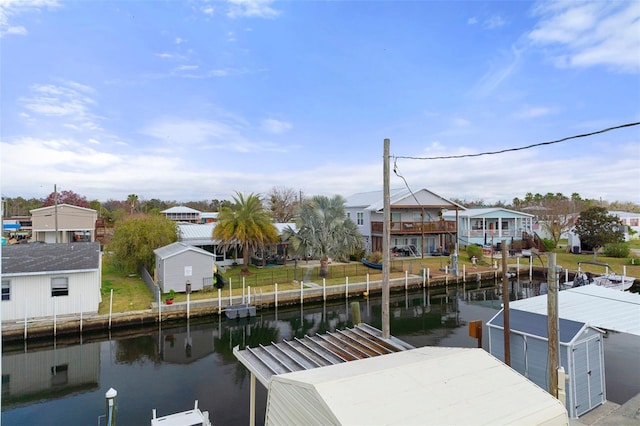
{"type": "Point", "coordinates": [129, 292]}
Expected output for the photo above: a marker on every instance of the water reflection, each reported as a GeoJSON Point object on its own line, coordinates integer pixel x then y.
{"type": "Point", "coordinates": [169, 366]}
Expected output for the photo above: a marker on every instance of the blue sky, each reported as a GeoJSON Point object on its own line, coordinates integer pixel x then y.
{"type": "Point", "coordinates": [194, 100]}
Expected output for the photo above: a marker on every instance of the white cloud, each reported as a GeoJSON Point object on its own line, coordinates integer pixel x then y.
{"type": "Point", "coordinates": [461, 122]}
{"type": "Point", "coordinates": [251, 9]}
{"type": "Point", "coordinates": [498, 73]}
{"type": "Point", "coordinates": [208, 10]}
{"type": "Point", "coordinates": [10, 9]}
{"type": "Point", "coordinates": [472, 21]}
{"type": "Point", "coordinates": [590, 33]}
{"type": "Point", "coordinates": [533, 112]}
{"type": "Point", "coordinates": [493, 22]}
{"type": "Point", "coordinates": [180, 40]}
{"type": "Point", "coordinates": [275, 126]}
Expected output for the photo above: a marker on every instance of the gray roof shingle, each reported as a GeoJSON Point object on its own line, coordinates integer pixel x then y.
{"type": "Point", "coordinates": [40, 257]}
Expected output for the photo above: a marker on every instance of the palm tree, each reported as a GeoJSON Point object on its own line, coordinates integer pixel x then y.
{"type": "Point", "coordinates": [324, 230]}
{"type": "Point", "coordinates": [132, 200]}
{"type": "Point", "coordinates": [245, 223]}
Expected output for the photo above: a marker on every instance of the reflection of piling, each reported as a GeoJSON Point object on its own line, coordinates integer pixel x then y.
{"type": "Point", "coordinates": [355, 312]}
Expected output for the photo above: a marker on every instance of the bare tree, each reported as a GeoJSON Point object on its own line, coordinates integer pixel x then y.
{"type": "Point", "coordinates": [282, 202]}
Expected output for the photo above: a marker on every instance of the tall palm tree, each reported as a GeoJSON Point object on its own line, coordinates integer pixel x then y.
{"type": "Point", "coordinates": [324, 230]}
{"type": "Point", "coordinates": [245, 223]}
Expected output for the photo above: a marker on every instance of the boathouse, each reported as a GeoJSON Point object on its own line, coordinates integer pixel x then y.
{"type": "Point", "coordinates": [580, 349]}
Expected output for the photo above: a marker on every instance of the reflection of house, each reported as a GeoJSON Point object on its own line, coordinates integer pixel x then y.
{"type": "Point", "coordinates": [58, 279]}
{"type": "Point", "coordinates": [179, 263]}
{"type": "Point", "coordinates": [27, 377]}
{"type": "Point", "coordinates": [415, 219]}
{"type": "Point", "coordinates": [490, 225]}
{"type": "Point", "coordinates": [72, 223]}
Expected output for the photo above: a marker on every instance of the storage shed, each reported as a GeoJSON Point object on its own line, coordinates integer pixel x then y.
{"type": "Point", "coordinates": [179, 263]}
{"type": "Point", "coordinates": [581, 354]}
{"type": "Point", "coordinates": [429, 385]}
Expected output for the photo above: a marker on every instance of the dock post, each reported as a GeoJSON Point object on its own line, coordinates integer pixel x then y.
{"type": "Point", "coordinates": [367, 283]}
{"type": "Point", "coordinates": [464, 273]}
{"type": "Point", "coordinates": [248, 294]}
{"type": "Point", "coordinates": [428, 277]}
{"type": "Point", "coordinates": [346, 287]}
{"type": "Point", "coordinates": [243, 284]}
{"type": "Point", "coordinates": [324, 289]}
{"type": "Point", "coordinates": [110, 308]}
{"type": "Point", "coordinates": [301, 292]}
{"type": "Point", "coordinates": [355, 312]}
{"type": "Point", "coordinates": [219, 301]}
{"type": "Point", "coordinates": [230, 293]}
{"type": "Point", "coordinates": [275, 289]}
{"type": "Point", "coordinates": [110, 397]}
{"type": "Point", "coordinates": [406, 279]}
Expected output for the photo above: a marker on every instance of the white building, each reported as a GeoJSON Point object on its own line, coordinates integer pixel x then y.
{"type": "Point", "coordinates": [40, 280]}
{"type": "Point", "coordinates": [70, 223]}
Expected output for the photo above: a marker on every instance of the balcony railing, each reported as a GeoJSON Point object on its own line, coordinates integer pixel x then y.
{"type": "Point", "coordinates": [434, 227]}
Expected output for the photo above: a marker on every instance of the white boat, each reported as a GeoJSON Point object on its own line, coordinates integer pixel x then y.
{"type": "Point", "coordinates": [608, 279]}
{"type": "Point", "coordinates": [193, 417]}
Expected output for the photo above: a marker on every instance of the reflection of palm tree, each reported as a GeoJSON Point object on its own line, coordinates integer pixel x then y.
{"type": "Point", "coordinates": [246, 223]}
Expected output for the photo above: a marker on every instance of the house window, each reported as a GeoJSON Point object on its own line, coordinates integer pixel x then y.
{"type": "Point", "coordinates": [360, 218]}
{"type": "Point", "coordinates": [6, 290]}
{"type": "Point", "coordinates": [505, 224]}
{"type": "Point", "coordinates": [60, 375]}
{"type": "Point", "coordinates": [348, 215]}
{"type": "Point", "coordinates": [59, 286]}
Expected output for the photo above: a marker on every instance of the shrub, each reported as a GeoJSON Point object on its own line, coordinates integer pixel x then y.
{"type": "Point", "coordinates": [620, 250]}
{"type": "Point", "coordinates": [375, 257]}
{"type": "Point", "coordinates": [474, 250]}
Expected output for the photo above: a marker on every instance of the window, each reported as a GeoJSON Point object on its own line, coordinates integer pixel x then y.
{"type": "Point", "coordinates": [505, 224]}
{"type": "Point", "coordinates": [360, 218]}
{"type": "Point", "coordinates": [6, 290]}
{"type": "Point", "coordinates": [59, 286]}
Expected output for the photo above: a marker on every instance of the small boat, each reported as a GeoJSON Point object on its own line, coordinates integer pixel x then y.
{"type": "Point", "coordinates": [193, 417]}
{"type": "Point", "coordinates": [608, 280]}
{"type": "Point", "coordinates": [365, 262]}
{"type": "Point", "coordinates": [240, 311]}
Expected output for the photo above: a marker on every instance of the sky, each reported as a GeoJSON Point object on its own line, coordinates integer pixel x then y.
{"type": "Point", "coordinates": [197, 100]}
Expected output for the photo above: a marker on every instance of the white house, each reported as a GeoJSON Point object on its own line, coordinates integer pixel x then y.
{"type": "Point", "coordinates": [488, 226]}
{"type": "Point", "coordinates": [630, 220]}
{"type": "Point", "coordinates": [182, 214]}
{"type": "Point", "coordinates": [40, 280]}
{"type": "Point", "coordinates": [416, 220]}
{"type": "Point", "coordinates": [70, 223]}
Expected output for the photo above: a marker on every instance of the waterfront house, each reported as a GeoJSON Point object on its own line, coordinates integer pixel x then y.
{"type": "Point", "coordinates": [581, 354]}
{"type": "Point", "coordinates": [42, 280]}
{"type": "Point", "coordinates": [179, 264]}
{"type": "Point", "coordinates": [182, 214]}
{"type": "Point", "coordinates": [488, 226]}
{"type": "Point", "coordinates": [70, 223]}
{"type": "Point", "coordinates": [417, 224]}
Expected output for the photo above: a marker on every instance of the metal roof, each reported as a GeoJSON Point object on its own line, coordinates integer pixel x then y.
{"type": "Point", "coordinates": [37, 258]}
{"type": "Point", "coordinates": [374, 200]}
{"type": "Point", "coordinates": [177, 248]}
{"type": "Point", "coordinates": [362, 341]}
{"type": "Point", "coordinates": [428, 385]}
{"type": "Point", "coordinates": [594, 305]}
{"type": "Point", "coordinates": [180, 209]}
{"type": "Point", "coordinates": [536, 324]}
{"type": "Point", "coordinates": [486, 211]}
{"type": "Point", "coordinates": [196, 231]}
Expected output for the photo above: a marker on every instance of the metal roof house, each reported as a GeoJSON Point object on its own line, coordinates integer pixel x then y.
{"type": "Point", "coordinates": [429, 385]}
{"type": "Point", "coordinates": [581, 354]}
{"type": "Point", "coordinates": [179, 263]}
{"type": "Point", "coordinates": [415, 219]}
{"type": "Point", "coordinates": [182, 214]}
{"type": "Point", "coordinates": [71, 223]}
{"type": "Point", "coordinates": [42, 280]}
{"type": "Point", "coordinates": [490, 225]}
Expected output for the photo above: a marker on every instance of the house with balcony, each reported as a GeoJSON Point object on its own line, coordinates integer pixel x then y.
{"type": "Point", "coordinates": [182, 214]}
{"type": "Point", "coordinates": [417, 224]}
{"type": "Point", "coordinates": [489, 226]}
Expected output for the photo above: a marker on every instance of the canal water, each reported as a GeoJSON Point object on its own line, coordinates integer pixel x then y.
{"type": "Point", "coordinates": [169, 367]}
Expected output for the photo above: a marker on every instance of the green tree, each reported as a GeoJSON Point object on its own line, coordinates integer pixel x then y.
{"type": "Point", "coordinates": [324, 230]}
{"type": "Point", "coordinates": [245, 223]}
{"type": "Point", "coordinates": [135, 238]}
{"type": "Point", "coordinates": [132, 201]}
{"type": "Point", "coordinates": [596, 228]}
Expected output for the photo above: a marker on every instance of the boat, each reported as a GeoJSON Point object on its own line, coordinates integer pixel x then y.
{"type": "Point", "coordinates": [193, 417]}
{"type": "Point", "coordinates": [240, 311]}
{"type": "Point", "coordinates": [365, 262]}
{"type": "Point", "coordinates": [608, 280]}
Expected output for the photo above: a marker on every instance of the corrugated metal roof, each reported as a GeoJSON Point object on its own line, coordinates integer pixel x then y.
{"type": "Point", "coordinates": [479, 212]}
{"type": "Point", "coordinates": [362, 341]}
{"type": "Point", "coordinates": [374, 200]}
{"type": "Point", "coordinates": [594, 305]}
{"type": "Point", "coordinates": [180, 209]}
{"type": "Point", "coordinates": [429, 385]}
{"type": "Point", "coordinates": [41, 257]}
{"type": "Point", "coordinates": [536, 324]}
{"type": "Point", "coordinates": [196, 231]}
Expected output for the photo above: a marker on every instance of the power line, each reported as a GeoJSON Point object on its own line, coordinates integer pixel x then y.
{"type": "Point", "coordinates": [584, 135]}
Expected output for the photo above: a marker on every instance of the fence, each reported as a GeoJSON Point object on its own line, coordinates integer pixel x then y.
{"type": "Point", "coordinates": [151, 285]}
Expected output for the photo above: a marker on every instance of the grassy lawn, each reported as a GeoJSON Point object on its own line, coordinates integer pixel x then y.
{"type": "Point", "coordinates": [130, 293]}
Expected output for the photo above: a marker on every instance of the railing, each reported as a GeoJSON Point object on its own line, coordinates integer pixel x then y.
{"type": "Point", "coordinates": [434, 227]}
{"type": "Point", "coordinates": [478, 233]}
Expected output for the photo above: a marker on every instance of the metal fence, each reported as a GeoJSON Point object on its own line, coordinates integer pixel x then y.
{"type": "Point", "coordinates": [151, 285]}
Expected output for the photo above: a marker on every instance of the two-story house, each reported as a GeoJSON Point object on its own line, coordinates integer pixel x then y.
{"type": "Point", "coordinates": [417, 225]}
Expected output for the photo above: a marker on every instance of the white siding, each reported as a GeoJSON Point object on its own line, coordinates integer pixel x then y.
{"type": "Point", "coordinates": [33, 292]}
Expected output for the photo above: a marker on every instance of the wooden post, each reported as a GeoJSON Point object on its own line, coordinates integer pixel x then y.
{"type": "Point", "coordinates": [355, 313]}
{"type": "Point", "coordinates": [386, 237]}
{"type": "Point", "coordinates": [552, 326]}
{"type": "Point", "coordinates": [505, 304]}
{"type": "Point", "coordinates": [475, 330]}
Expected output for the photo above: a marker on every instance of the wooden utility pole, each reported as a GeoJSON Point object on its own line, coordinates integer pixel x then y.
{"type": "Point", "coordinates": [505, 304]}
{"type": "Point", "coordinates": [552, 326]}
{"type": "Point", "coordinates": [386, 237]}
